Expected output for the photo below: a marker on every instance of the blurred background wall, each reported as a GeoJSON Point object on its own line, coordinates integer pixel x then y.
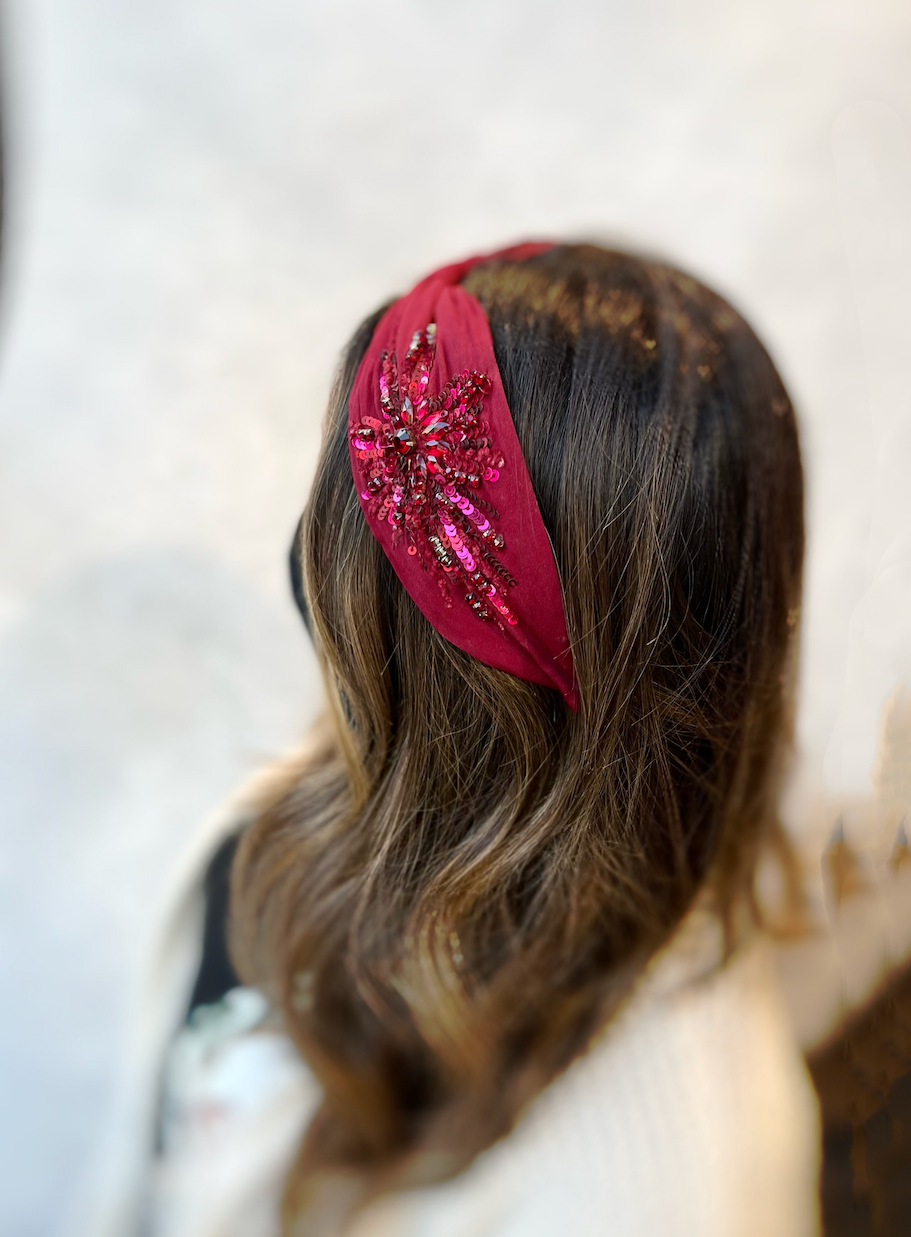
{"type": "Point", "coordinates": [203, 199]}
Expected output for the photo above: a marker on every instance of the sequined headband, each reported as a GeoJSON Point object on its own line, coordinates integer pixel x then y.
{"type": "Point", "coordinates": [444, 487]}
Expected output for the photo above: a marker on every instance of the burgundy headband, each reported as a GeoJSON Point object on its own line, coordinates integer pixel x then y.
{"type": "Point", "coordinates": [444, 487]}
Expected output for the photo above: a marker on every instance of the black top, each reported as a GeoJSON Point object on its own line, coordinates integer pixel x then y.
{"type": "Point", "coordinates": [216, 972]}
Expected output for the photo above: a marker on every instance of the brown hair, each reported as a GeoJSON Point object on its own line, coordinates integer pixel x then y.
{"type": "Point", "coordinates": [457, 891]}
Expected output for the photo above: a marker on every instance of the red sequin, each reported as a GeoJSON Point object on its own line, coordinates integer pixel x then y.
{"type": "Point", "coordinates": [423, 465]}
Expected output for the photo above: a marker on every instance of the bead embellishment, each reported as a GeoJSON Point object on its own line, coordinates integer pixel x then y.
{"type": "Point", "coordinates": [422, 464]}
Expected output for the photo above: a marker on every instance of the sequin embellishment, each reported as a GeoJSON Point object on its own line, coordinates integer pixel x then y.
{"type": "Point", "coordinates": [418, 464]}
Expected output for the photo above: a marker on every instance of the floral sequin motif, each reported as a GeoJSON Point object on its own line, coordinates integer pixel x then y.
{"type": "Point", "coordinates": [423, 462]}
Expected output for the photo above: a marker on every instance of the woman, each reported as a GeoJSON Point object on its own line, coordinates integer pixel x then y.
{"type": "Point", "coordinates": [506, 906]}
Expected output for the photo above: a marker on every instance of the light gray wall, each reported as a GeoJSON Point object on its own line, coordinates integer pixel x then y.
{"type": "Point", "coordinates": [205, 196]}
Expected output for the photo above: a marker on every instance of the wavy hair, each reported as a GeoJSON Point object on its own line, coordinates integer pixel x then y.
{"type": "Point", "coordinates": [457, 890]}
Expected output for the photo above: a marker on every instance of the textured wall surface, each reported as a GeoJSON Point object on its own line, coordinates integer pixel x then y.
{"type": "Point", "coordinates": [204, 197]}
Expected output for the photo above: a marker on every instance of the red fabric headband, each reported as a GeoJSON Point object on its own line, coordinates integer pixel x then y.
{"type": "Point", "coordinates": [444, 487]}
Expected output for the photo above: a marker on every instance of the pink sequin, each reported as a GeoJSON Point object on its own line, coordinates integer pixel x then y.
{"type": "Point", "coordinates": [414, 462]}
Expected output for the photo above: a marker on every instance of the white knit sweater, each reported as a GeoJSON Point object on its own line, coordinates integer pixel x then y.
{"type": "Point", "coordinates": [692, 1114]}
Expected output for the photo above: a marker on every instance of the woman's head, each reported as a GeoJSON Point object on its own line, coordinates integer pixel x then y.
{"type": "Point", "coordinates": [469, 881]}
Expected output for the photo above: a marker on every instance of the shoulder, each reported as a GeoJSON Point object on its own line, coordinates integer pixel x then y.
{"type": "Point", "coordinates": [691, 1113]}
{"type": "Point", "coordinates": [697, 1102]}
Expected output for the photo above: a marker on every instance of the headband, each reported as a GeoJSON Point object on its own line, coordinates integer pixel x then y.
{"type": "Point", "coordinates": [443, 484]}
